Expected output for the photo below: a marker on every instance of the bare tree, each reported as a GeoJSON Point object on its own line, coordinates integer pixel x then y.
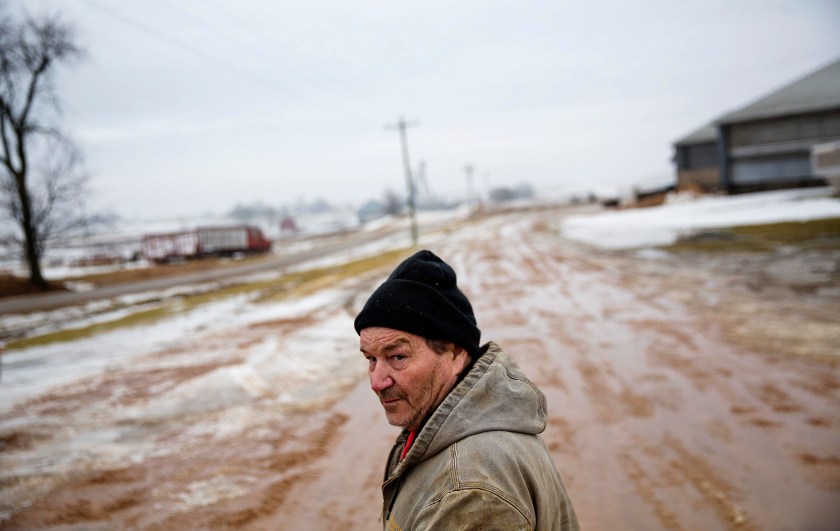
{"type": "Point", "coordinates": [40, 171]}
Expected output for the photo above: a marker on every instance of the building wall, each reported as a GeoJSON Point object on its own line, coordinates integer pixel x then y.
{"type": "Point", "coordinates": [697, 167]}
{"type": "Point", "coordinates": [807, 127]}
{"type": "Point", "coordinates": [790, 167]}
{"type": "Point", "coordinates": [776, 153]}
{"type": "Point", "coordinates": [707, 179]}
{"type": "Point", "coordinates": [695, 156]}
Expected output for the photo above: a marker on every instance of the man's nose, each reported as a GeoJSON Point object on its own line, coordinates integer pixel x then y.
{"type": "Point", "coordinates": [380, 377]}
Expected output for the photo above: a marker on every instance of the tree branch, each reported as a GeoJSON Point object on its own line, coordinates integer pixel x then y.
{"type": "Point", "coordinates": [4, 120]}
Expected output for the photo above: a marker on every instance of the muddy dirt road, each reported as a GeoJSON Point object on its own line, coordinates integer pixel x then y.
{"type": "Point", "coordinates": [679, 397]}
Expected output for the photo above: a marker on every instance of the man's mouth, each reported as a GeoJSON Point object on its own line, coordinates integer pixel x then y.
{"type": "Point", "coordinates": [389, 400]}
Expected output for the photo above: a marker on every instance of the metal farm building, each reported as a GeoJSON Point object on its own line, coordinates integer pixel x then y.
{"type": "Point", "coordinates": [767, 144]}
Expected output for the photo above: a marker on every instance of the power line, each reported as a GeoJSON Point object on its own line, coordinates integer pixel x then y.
{"type": "Point", "coordinates": [197, 52]}
{"type": "Point", "coordinates": [186, 47]}
{"type": "Point", "coordinates": [214, 28]}
{"type": "Point", "coordinates": [254, 31]}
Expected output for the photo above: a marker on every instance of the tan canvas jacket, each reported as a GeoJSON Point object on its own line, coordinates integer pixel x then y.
{"type": "Point", "coordinates": [478, 462]}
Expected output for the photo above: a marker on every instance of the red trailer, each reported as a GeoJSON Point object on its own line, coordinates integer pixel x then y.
{"type": "Point", "coordinates": [205, 241]}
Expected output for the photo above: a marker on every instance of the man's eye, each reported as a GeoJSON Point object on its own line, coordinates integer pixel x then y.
{"type": "Point", "coordinates": [397, 357]}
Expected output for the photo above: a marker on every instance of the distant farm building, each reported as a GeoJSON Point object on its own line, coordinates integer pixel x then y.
{"type": "Point", "coordinates": [696, 156]}
{"type": "Point", "coordinates": [203, 242]}
{"type": "Point", "coordinates": [767, 144]}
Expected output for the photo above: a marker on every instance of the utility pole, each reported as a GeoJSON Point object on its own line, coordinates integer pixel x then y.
{"type": "Point", "coordinates": [420, 180]}
{"type": "Point", "coordinates": [468, 169]}
{"type": "Point", "coordinates": [401, 126]}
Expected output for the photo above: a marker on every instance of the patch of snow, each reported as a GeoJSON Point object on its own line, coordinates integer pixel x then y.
{"type": "Point", "coordinates": [663, 225]}
{"type": "Point", "coordinates": [79, 286]}
{"type": "Point", "coordinates": [208, 492]}
{"type": "Point", "coordinates": [34, 370]}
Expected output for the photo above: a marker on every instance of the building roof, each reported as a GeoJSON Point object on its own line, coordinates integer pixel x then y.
{"type": "Point", "coordinates": [704, 135]}
{"type": "Point", "coordinates": [818, 91]}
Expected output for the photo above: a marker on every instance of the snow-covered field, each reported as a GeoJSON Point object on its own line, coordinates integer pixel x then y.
{"type": "Point", "coordinates": [684, 215]}
{"type": "Point", "coordinates": [121, 240]}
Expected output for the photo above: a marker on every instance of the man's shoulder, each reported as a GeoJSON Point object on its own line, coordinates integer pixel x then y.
{"type": "Point", "coordinates": [494, 453]}
{"type": "Point", "coordinates": [484, 454]}
{"type": "Point", "coordinates": [500, 444]}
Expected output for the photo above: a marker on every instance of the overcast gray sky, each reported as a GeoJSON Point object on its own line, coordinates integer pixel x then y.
{"type": "Point", "coordinates": [188, 106]}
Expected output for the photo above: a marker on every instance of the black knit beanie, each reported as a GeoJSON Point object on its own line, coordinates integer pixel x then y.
{"type": "Point", "coordinates": [422, 297]}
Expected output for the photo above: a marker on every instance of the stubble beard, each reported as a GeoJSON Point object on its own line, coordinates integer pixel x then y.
{"type": "Point", "coordinates": [404, 420]}
{"type": "Point", "coordinates": [416, 412]}
{"type": "Point", "coordinates": [400, 419]}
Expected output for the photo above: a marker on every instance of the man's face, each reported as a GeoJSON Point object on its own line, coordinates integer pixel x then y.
{"type": "Point", "coordinates": [409, 378]}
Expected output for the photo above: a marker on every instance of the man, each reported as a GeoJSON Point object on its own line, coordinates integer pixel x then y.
{"type": "Point", "coordinates": [469, 455]}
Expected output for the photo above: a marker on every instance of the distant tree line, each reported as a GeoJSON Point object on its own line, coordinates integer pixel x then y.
{"type": "Point", "coordinates": [502, 194]}
{"type": "Point", "coordinates": [259, 211]}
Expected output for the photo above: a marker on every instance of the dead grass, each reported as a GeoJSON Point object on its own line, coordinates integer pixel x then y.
{"type": "Point", "coordinates": [820, 234]}
{"type": "Point", "coordinates": [12, 286]}
{"type": "Point", "coordinates": [140, 317]}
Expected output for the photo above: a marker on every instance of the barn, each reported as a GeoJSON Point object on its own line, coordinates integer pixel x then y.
{"type": "Point", "coordinates": [767, 144]}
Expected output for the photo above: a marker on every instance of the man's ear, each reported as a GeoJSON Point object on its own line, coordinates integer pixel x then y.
{"type": "Point", "coordinates": [461, 358]}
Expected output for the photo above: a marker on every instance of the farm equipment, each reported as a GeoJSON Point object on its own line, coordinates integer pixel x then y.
{"type": "Point", "coordinates": [204, 242]}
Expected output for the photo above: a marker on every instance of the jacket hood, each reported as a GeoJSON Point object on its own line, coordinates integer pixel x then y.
{"type": "Point", "coordinates": [494, 396]}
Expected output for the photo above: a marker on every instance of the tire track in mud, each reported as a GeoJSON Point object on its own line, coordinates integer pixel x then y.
{"type": "Point", "coordinates": [86, 484]}
{"type": "Point", "coordinates": [716, 492]}
{"type": "Point", "coordinates": [646, 392]}
{"type": "Point", "coordinates": [201, 489]}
